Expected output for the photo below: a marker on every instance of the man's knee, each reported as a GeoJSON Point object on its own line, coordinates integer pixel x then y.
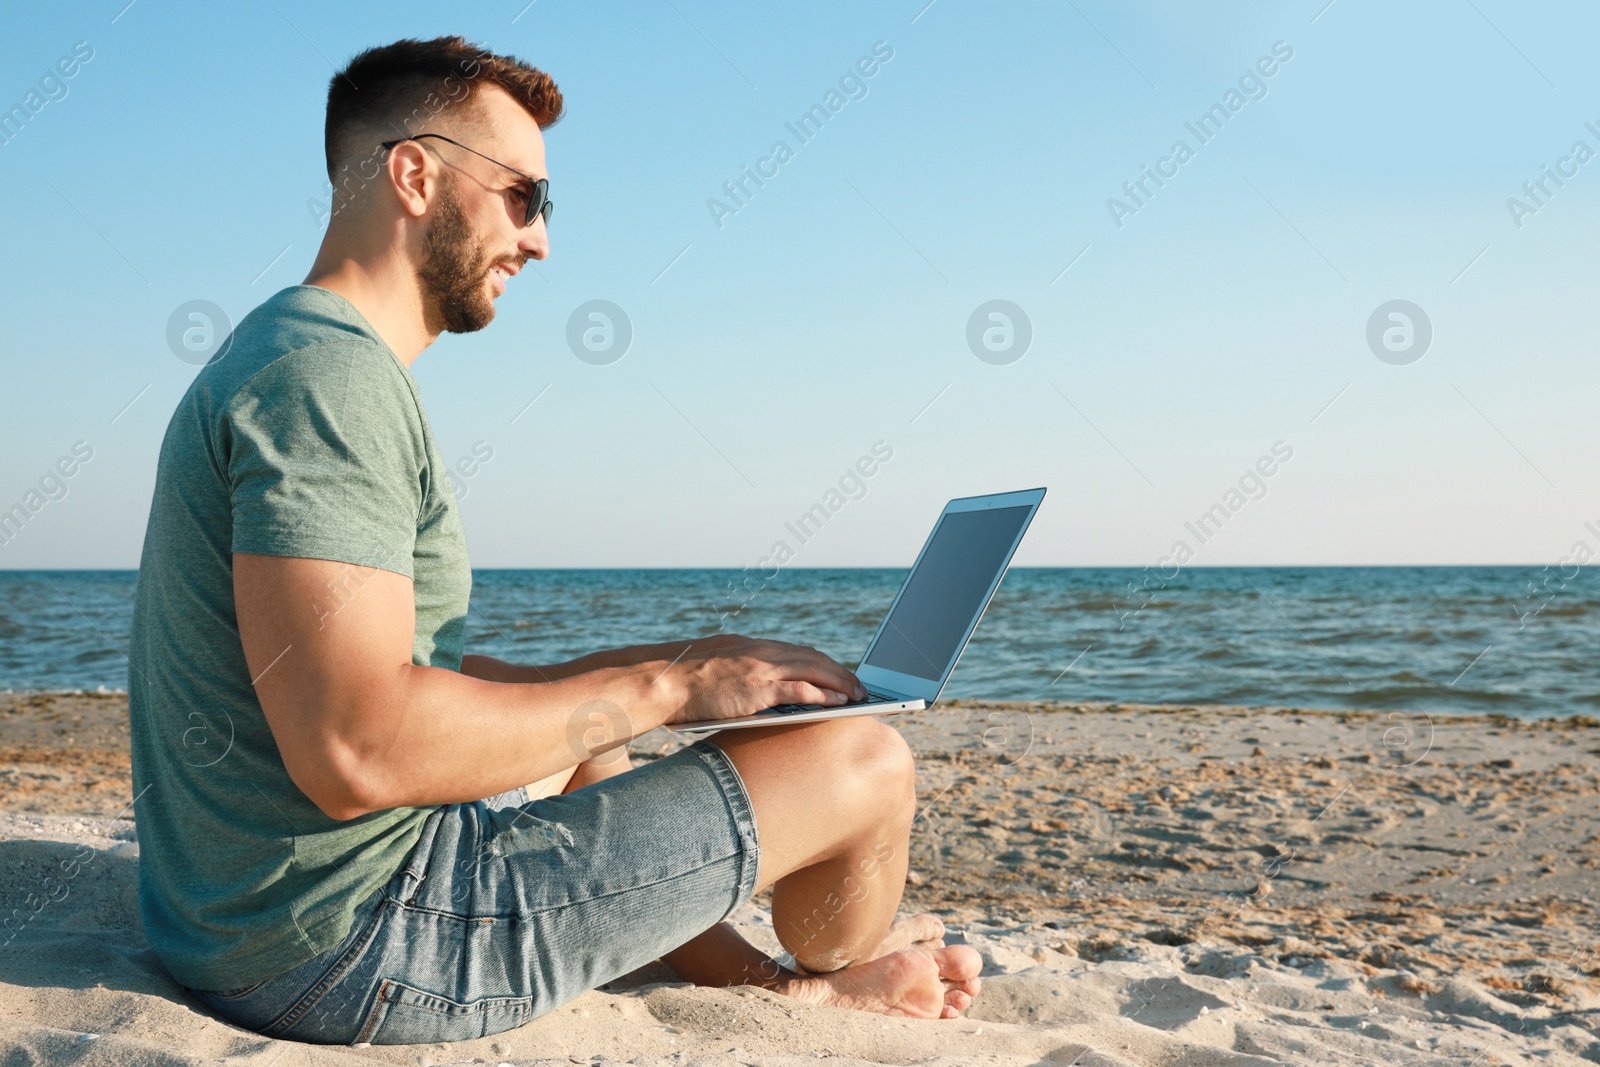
{"type": "Point", "coordinates": [870, 754]}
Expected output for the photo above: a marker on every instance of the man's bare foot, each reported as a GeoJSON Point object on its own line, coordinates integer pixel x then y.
{"type": "Point", "coordinates": [923, 983]}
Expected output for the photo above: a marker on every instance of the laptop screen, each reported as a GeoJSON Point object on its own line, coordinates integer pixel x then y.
{"type": "Point", "coordinates": [942, 599]}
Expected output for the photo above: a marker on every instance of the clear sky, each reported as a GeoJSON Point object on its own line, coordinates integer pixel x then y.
{"type": "Point", "coordinates": [1176, 337]}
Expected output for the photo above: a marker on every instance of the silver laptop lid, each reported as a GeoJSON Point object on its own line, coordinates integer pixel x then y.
{"type": "Point", "coordinates": [942, 599]}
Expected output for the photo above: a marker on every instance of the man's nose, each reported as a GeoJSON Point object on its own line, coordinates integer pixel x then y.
{"type": "Point", "coordinates": [535, 240]}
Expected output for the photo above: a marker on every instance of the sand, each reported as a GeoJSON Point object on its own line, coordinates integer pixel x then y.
{"type": "Point", "coordinates": [1196, 886]}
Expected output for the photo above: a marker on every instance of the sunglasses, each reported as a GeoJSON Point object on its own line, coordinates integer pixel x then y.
{"type": "Point", "coordinates": [539, 202]}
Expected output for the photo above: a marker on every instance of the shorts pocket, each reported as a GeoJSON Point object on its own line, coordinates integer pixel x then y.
{"type": "Point", "coordinates": [405, 1015]}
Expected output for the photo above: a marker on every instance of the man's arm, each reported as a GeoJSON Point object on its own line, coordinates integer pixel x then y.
{"type": "Point", "coordinates": [362, 729]}
{"type": "Point", "coordinates": [498, 670]}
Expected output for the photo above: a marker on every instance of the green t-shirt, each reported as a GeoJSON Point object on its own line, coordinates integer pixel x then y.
{"type": "Point", "coordinates": [307, 439]}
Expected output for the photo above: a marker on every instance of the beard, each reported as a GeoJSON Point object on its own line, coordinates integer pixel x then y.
{"type": "Point", "coordinates": [454, 269]}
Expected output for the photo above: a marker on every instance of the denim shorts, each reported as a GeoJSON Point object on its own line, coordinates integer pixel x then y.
{"type": "Point", "coordinates": [507, 908]}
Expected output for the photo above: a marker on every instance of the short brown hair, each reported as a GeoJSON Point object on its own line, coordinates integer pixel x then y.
{"type": "Point", "coordinates": [397, 89]}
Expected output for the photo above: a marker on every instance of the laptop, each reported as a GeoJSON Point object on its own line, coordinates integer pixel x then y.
{"type": "Point", "coordinates": [938, 607]}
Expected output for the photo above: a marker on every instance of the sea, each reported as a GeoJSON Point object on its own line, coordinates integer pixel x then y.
{"type": "Point", "coordinates": [1516, 641]}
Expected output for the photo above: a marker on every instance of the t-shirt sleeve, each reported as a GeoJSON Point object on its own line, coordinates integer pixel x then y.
{"type": "Point", "coordinates": [327, 458]}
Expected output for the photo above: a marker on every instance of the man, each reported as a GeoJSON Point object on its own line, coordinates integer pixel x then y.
{"type": "Point", "coordinates": [311, 747]}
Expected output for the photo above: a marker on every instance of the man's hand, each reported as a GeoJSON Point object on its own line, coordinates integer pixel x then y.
{"type": "Point", "coordinates": [729, 676]}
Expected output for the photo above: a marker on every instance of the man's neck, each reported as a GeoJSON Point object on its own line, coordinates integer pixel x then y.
{"type": "Point", "coordinates": [386, 292]}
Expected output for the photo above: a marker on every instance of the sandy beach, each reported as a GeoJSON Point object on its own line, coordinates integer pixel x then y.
{"type": "Point", "coordinates": [1148, 885]}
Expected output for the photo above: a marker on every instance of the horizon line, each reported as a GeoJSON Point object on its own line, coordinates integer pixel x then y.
{"type": "Point", "coordinates": [899, 566]}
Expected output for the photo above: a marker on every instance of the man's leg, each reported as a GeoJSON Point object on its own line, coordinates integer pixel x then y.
{"type": "Point", "coordinates": [833, 808]}
{"type": "Point", "coordinates": [834, 803]}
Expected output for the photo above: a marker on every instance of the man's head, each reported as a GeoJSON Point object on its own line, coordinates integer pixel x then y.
{"type": "Point", "coordinates": [456, 212]}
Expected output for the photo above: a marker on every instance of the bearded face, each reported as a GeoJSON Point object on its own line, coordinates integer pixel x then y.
{"type": "Point", "coordinates": [455, 268]}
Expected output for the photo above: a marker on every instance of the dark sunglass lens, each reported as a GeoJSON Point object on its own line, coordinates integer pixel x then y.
{"type": "Point", "coordinates": [537, 202]}
{"type": "Point", "coordinates": [549, 206]}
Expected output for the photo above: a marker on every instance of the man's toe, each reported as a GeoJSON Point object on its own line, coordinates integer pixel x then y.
{"type": "Point", "coordinates": [958, 963]}
{"type": "Point", "coordinates": [925, 928]}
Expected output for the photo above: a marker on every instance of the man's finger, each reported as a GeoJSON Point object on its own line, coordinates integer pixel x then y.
{"type": "Point", "coordinates": [830, 671]}
{"type": "Point", "coordinates": [806, 693]}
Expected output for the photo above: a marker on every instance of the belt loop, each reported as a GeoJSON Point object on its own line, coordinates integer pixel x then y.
{"type": "Point", "coordinates": [416, 866]}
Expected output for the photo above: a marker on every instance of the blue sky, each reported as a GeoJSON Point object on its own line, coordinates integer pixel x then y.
{"type": "Point", "coordinates": [1169, 354]}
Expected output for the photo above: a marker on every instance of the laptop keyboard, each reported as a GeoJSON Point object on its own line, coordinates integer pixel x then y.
{"type": "Point", "coordinates": [872, 698]}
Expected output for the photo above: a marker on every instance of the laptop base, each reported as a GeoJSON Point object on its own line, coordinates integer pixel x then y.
{"type": "Point", "coordinates": [775, 717]}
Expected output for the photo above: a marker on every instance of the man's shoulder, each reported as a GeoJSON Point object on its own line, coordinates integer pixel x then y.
{"type": "Point", "coordinates": [303, 340]}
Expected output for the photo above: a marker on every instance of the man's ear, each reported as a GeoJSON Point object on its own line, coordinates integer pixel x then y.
{"type": "Point", "coordinates": [411, 178]}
